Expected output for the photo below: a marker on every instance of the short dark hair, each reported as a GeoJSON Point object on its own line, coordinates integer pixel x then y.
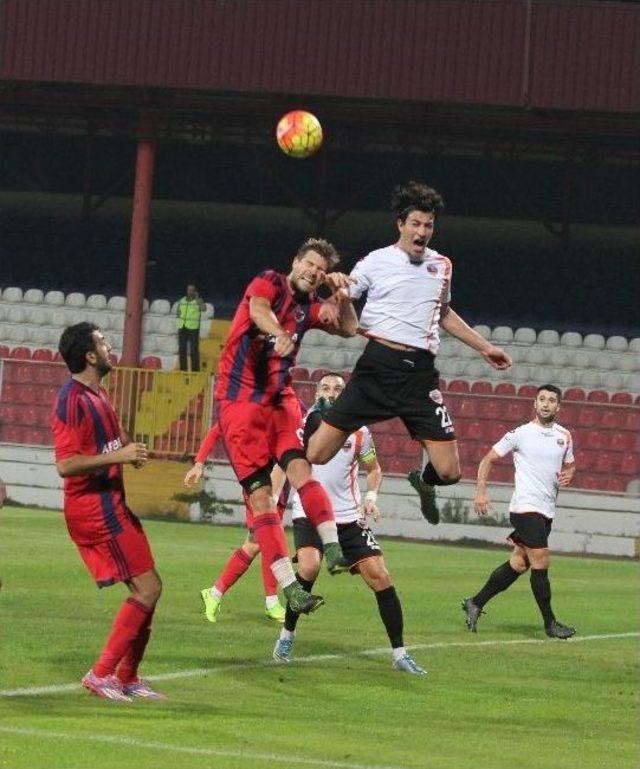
{"type": "Point", "coordinates": [323, 247]}
{"type": "Point", "coordinates": [329, 373]}
{"type": "Point", "coordinates": [76, 341]}
{"type": "Point", "coordinates": [550, 388]}
{"type": "Point", "coordinates": [415, 196]}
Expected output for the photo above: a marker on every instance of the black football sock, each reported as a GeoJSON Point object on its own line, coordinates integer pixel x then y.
{"type": "Point", "coordinates": [391, 613]}
{"type": "Point", "coordinates": [541, 588]}
{"type": "Point", "coordinates": [499, 579]}
{"type": "Point", "coordinates": [431, 478]}
{"type": "Point", "coordinates": [290, 617]}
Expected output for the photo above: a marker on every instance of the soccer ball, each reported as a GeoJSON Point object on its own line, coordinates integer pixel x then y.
{"type": "Point", "coordinates": [299, 134]}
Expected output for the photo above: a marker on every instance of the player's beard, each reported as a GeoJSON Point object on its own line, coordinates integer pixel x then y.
{"type": "Point", "coordinates": [103, 367]}
{"type": "Point", "coordinates": [547, 420]}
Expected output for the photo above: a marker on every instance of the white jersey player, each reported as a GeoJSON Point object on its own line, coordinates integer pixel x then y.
{"type": "Point", "coordinates": [544, 463]}
{"type": "Point", "coordinates": [408, 289]}
{"type": "Point", "coordinates": [362, 552]}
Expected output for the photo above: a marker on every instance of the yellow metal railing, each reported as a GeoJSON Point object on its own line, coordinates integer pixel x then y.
{"type": "Point", "coordinates": [168, 410]}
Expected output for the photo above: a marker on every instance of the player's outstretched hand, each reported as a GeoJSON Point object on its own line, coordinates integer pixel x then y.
{"type": "Point", "coordinates": [497, 357]}
{"type": "Point", "coordinates": [284, 344]}
{"type": "Point", "coordinates": [336, 280]}
{"type": "Point", "coordinates": [134, 454]}
{"type": "Point", "coordinates": [194, 475]}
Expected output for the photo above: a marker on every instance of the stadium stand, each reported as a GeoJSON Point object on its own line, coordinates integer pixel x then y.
{"type": "Point", "coordinates": [32, 321]}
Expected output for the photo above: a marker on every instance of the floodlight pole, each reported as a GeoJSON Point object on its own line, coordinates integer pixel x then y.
{"type": "Point", "coordinates": [136, 274]}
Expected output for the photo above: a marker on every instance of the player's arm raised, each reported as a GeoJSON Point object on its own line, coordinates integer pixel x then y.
{"type": "Point", "coordinates": [453, 324]}
{"type": "Point", "coordinates": [85, 464]}
{"type": "Point", "coordinates": [264, 318]}
{"type": "Point", "coordinates": [481, 502]}
{"type": "Point", "coordinates": [338, 315]}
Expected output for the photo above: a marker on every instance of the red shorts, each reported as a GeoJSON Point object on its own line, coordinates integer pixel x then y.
{"type": "Point", "coordinates": [254, 435]}
{"type": "Point", "coordinates": [118, 559]}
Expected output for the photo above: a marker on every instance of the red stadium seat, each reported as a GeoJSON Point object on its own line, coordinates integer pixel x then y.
{"type": "Point", "coordinates": [10, 392]}
{"type": "Point", "coordinates": [4, 351]}
{"type": "Point", "coordinates": [574, 394]}
{"type": "Point", "coordinates": [518, 411]}
{"type": "Point", "coordinates": [458, 386]}
{"type": "Point", "coordinates": [57, 357]}
{"type": "Point", "coordinates": [527, 391]}
{"type": "Point", "coordinates": [616, 483]}
{"type": "Point", "coordinates": [622, 399]}
{"type": "Point", "coordinates": [630, 464]}
{"type": "Point", "coordinates": [11, 433]}
{"type": "Point", "coordinates": [587, 416]}
{"type": "Point", "coordinates": [20, 353]}
{"type": "Point", "coordinates": [317, 374]}
{"type": "Point", "coordinates": [481, 388]}
{"type": "Point", "coordinates": [612, 418]}
{"type": "Point", "coordinates": [151, 362]}
{"type": "Point", "coordinates": [598, 396]}
{"type": "Point", "coordinates": [624, 440]}
{"type": "Point", "coordinates": [489, 408]}
{"type": "Point", "coordinates": [632, 420]}
{"type": "Point", "coordinates": [606, 462]}
{"type": "Point", "coordinates": [505, 388]}
{"type": "Point", "coordinates": [299, 374]}
{"type": "Point", "coordinates": [43, 354]}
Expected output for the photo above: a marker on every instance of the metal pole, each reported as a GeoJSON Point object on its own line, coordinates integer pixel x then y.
{"type": "Point", "coordinates": [136, 274]}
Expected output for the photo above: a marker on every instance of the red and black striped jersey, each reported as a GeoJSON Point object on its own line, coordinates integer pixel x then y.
{"type": "Point", "coordinates": [249, 369]}
{"type": "Point", "coordinates": [85, 422]}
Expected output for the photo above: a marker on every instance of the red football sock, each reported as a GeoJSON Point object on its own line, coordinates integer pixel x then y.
{"type": "Point", "coordinates": [267, 530]}
{"type": "Point", "coordinates": [234, 569]}
{"type": "Point", "coordinates": [127, 625]}
{"type": "Point", "coordinates": [315, 502]}
{"type": "Point", "coordinates": [128, 667]}
{"type": "Point", "coordinates": [268, 580]}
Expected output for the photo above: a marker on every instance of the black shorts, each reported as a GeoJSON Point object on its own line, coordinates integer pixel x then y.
{"type": "Point", "coordinates": [388, 383]}
{"type": "Point", "coordinates": [356, 540]}
{"type": "Point", "coordinates": [530, 529]}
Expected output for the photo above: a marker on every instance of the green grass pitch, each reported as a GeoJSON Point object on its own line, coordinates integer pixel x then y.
{"type": "Point", "coordinates": [505, 697]}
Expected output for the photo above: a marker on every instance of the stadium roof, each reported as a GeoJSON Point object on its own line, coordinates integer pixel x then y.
{"type": "Point", "coordinates": [525, 78]}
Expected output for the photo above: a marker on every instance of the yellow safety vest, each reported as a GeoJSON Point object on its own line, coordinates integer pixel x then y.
{"type": "Point", "coordinates": [188, 313]}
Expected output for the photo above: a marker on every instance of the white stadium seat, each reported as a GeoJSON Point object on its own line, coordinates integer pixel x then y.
{"type": "Point", "coordinates": [12, 294]}
{"type": "Point", "coordinates": [565, 377]}
{"type": "Point", "coordinates": [537, 355]}
{"type": "Point", "coordinates": [160, 307]}
{"type": "Point", "coordinates": [33, 296]}
{"type": "Point", "coordinates": [39, 315]}
{"type": "Point", "coordinates": [611, 380]}
{"type": "Point", "coordinates": [209, 312]}
{"type": "Point", "coordinates": [75, 299]}
{"type": "Point", "coordinates": [97, 302]}
{"type": "Point", "coordinates": [583, 359]}
{"type": "Point", "coordinates": [571, 339]}
{"type": "Point", "coordinates": [117, 303]}
{"type": "Point", "coordinates": [634, 345]}
{"type": "Point", "coordinates": [560, 357]}
{"type": "Point", "coordinates": [617, 343]}
{"type": "Point", "coordinates": [167, 326]}
{"type": "Point", "coordinates": [548, 336]}
{"type": "Point", "coordinates": [591, 380]}
{"type": "Point", "coordinates": [15, 333]}
{"type": "Point", "coordinates": [484, 331]}
{"type": "Point", "coordinates": [524, 336]}
{"type": "Point", "coordinates": [594, 341]}
{"type": "Point", "coordinates": [55, 298]}
{"type": "Point", "coordinates": [502, 334]}
{"type": "Point", "coordinates": [167, 344]}
{"type": "Point", "coordinates": [15, 314]}
{"type": "Point", "coordinates": [39, 335]}
{"type": "Point", "coordinates": [629, 362]}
